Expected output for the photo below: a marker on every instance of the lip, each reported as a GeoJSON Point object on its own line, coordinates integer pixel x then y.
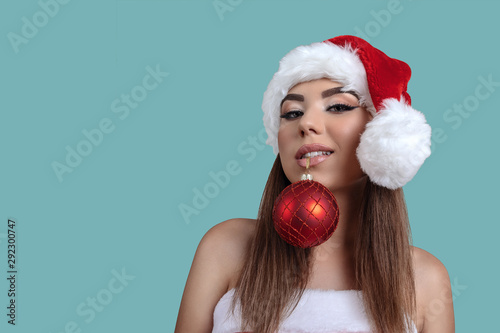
{"type": "Point", "coordinates": [310, 148]}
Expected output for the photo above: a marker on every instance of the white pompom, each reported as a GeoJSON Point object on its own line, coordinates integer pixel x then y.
{"type": "Point", "coordinates": [395, 144]}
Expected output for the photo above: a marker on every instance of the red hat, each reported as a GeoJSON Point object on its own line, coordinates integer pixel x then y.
{"type": "Point", "coordinates": [397, 140]}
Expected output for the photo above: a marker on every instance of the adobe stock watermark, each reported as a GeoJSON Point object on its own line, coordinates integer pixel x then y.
{"type": "Point", "coordinates": [223, 6]}
{"type": "Point", "coordinates": [438, 304]}
{"type": "Point", "coordinates": [31, 26]}
{"type": "Point", "coordinates": [219, 180]}
{"type": "Point", "coordinates": [122, 107]}
{"type": "Point", "coordinates": [456, 114]}
{"type": "Point", "coordinates": [381, 19]}
{"type": "Point", "coordinates": [460, 111]}
{"type": "Point", "coordinates": [94, 304]}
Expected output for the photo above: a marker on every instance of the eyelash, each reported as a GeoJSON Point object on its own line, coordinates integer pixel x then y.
{"type": "Point", "coordinates": [343, 108]}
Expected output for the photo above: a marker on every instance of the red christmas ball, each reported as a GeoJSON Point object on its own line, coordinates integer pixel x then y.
{"type": "Point", "coordinates": [305, 214]}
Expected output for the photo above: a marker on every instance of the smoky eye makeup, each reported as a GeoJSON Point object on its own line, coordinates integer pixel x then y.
{"type": "Point", "coordinates": [334, 101]}
{"type": "Point", "coordinates": [291, 113]}
{"type": "Point", "coordinates": [290, 106]}
{"type": "Point", "coordinates": [344, 98]}
{"type": "Point", "coordinates": [339, 107]}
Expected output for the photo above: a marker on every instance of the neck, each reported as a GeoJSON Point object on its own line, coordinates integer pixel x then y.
{"type": "Point", "coordinates": [349, 201]}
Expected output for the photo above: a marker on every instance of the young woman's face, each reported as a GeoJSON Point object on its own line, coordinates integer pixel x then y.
{"type": "Point", "coordinates": [317, 112]}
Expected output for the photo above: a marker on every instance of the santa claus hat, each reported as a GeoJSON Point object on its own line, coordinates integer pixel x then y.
{"type": "Point", "coordinates": [397, 140]}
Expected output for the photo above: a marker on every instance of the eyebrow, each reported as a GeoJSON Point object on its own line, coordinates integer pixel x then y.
{"type": "Point", "coordinates": [324, 94]}
{"type": "Point", "coordinates": [338, 90]}
{"type": "Point", "coordinates": [292, 97]}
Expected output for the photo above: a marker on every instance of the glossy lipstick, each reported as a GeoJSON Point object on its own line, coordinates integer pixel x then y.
{"type": "Point", "coordinates": [311, 148]}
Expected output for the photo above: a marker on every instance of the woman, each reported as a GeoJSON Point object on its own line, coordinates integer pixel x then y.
{"type": "Point", "coordinates": [343, 104]}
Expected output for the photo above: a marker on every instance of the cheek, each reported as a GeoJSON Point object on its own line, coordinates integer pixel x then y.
{"type": "Point", "coordinates": [280, 140]}
{"type": "Point", "coordinates": [347, 134]}
{"type": "Point", "coordinates": [286, 151]}
{"type": "Point", "coordinates": [283, 136]}
{"type": "Point", "coordinates": [356, 132]}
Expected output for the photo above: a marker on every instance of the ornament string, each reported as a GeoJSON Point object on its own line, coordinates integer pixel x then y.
{"type": "Point", "coordinates": [307, 175]}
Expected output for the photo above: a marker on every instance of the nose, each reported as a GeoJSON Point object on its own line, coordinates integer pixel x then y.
{"type": "Point", "coordinates": [311, 122]}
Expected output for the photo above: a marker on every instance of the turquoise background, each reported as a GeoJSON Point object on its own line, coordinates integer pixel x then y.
{"type": "Point", "coordinates": [119, 209]}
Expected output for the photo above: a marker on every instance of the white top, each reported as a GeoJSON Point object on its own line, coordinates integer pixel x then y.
{"type": "Point", "coordinates": [318, 311]}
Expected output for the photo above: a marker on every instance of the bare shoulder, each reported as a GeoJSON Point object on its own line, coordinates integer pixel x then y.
{"type": "Point", "coordinates": [215, 268]}
{"type": "Point", "coordinates": [230, 239]}
{"type": "Point", "coordinates": [434, 295]}
{"type": "Point", "coordinates": [233, 231]}
{"type": "Point", "coordinates": [428, 269]}
{"type": "Point", "coordinates": [225, 246]}
{"type": "Point", "coordinates": [424, 262]}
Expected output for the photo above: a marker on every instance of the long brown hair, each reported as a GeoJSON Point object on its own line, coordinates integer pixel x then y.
{"type": "Point", "coordinates": [275, 274]}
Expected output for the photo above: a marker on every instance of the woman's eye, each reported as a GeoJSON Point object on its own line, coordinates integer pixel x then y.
{"type": "Point", "coordinates": [291, 114]}
{"type": "Point", "coordinates": [341, 107]}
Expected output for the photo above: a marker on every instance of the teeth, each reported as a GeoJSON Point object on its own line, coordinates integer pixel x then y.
{"type": "Point", "coordinates": [316, 153]}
